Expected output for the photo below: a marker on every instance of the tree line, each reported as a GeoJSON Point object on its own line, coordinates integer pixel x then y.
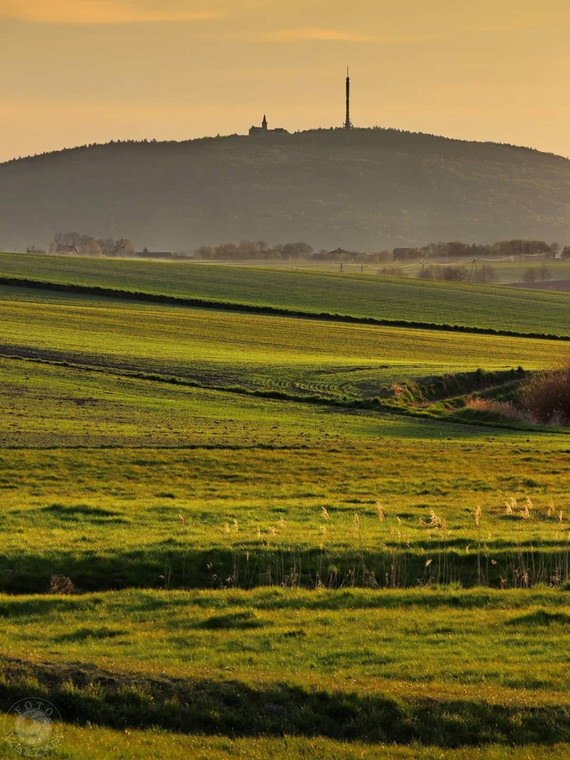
{"type": "Point", "coordinates": [458, 250]}
{"type": "Point", "coordinates": [250, 249]}
{"type": "Point", "coordinates": [90, 246]}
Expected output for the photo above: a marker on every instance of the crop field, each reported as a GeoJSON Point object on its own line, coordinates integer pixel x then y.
{"type": "Point", "coordinates": [283, 536]}
{"type": "Point", "coordinates": [411, 300]}
{"type": "Point", "coordinates": [220, 349]}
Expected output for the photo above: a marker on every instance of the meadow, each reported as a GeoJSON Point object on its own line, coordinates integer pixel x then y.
{"type": "Point", "coordinates": [482, 306]}
{"type": "Point", "coordinates": [230, 350]}
{"type": "Point", "coordinates": [277, 543]}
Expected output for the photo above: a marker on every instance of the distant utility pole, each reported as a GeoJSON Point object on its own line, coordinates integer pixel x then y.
{"type": "Point", "coordinates": [473, 269]}
{"type": "Point", "coordinates": [347, 122]}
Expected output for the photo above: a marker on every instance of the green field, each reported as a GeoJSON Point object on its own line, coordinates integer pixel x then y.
{"type": "Point", "coordinates": [220, 349]}
{"type": "Point", "coordinates": [345, 665]}
{"type": "Point", "coordinates": [285, 536]}
{"type": "Point", "coordinates": [412, 300]}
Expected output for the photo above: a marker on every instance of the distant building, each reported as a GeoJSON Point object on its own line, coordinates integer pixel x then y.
{"type": "Point", "coordinates": [340, 252]}
{"type": "Point", "coordinates": [263, 130]}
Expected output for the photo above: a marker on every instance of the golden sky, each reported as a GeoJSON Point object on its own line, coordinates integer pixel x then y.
{"type": "Point", "coordinates": [82, 71]}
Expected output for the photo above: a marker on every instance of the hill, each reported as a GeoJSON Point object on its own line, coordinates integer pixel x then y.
{"type": "Point", "coordinates": [366, 189]}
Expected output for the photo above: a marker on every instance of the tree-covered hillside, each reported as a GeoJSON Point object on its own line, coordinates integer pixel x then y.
{"type": "Point", "coordinates": [364, 189]}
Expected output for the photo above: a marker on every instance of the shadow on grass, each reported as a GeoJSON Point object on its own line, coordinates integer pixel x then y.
{"type": "Point", "coordinates": [231, 708]}
{"type": "Point", "coordinates": [252, 566]}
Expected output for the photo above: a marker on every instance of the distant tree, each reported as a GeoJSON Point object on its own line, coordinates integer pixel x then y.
{"type": "Point", "coordinates": [529, 275]}
{"type": "Point", "coordinates": [555, 249]}
{"type": "Point", "coordinates": [295, 250]}
{"type": "Point", "coordinates": [486, 274]}
{"type": "Point", "coordinates": [544, 273]}
{"type": "Point", "coordinates": [521, 247]}
{"type": "Point", "coordinates": [453, 274]}
{"type": "Point", "coordinates": [409, 254]}
{"type": "Point", "coordinates": [91, 247]}
{"type": "Point", "coordinates": [124, 247]}
{"type": "Point", "coordinates": [107, 246]}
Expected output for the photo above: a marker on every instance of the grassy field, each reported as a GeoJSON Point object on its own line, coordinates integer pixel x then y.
{"type": "Point", "coordinates": [361, 296]}
{"type": "Point", "coordinates": [275, 549]}
{"type": "Point", "coordinates": [219, 349]}
{"type": "Point", "coordinates": [348, 665]}
{"type": "Point", "coordinates": [295, 508]}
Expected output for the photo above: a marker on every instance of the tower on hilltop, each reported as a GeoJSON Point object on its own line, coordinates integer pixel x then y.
{"type": "Point", "coordinates": [347, 122]}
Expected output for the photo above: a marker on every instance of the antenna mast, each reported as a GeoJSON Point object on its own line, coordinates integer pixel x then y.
{"type": "Point", "coordinates": [347, 122]}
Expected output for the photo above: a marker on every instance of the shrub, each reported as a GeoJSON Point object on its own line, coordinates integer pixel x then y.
{"type": "Point", "coordinates": [61, 584]}
{"type": "Point", "coordinates": [546, 396]}
{"type": "Point", "coordinates": [501, 408]}
{"type": "Point", "coordinates": [529, 275]}
{"type": "Point", "coordinates": [486, 274]}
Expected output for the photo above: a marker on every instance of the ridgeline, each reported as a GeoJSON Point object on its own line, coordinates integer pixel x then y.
{"type": "Point", "coordinates": [365, 189]}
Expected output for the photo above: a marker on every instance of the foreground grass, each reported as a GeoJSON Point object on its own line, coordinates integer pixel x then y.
{"type": "Point", "coordinates": [362, 296]}
{"type": "Point", "coordinates": [85, 743]}
{"type": "Point", "coordinates": [352, 665]}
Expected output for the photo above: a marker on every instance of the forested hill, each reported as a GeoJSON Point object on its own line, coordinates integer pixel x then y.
{"type": "Point", "coordinates": [366, 189]}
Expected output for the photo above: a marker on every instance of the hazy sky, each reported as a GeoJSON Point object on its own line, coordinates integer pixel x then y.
{"type": "Point", "coordinates": [82, 71]}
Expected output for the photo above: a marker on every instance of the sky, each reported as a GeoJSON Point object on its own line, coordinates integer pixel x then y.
{"type": "Point", "coordinates": [74, 72]}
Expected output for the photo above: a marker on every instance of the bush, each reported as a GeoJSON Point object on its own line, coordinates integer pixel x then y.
{"type": "Point", "coordinates": [529, 275]}
{"type": "Point", "coordinates": [486, 274]}
{"type": "Point", "coordinates": [61, 584]}
{"type": "Point", "coordinates": [498, 408]}
{"type": "Point", "coordinates": [546, 396]}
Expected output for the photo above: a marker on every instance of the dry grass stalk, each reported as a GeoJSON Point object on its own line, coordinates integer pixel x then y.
{"type": "Point", "coordinates": [434, 520]}
{"type": "Point", "coordinates": [526, 510]}
{"type": "Point", "coordinates": [510, 506]}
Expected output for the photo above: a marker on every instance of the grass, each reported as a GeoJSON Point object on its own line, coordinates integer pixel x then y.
{"type": "Point", "coordinates": [258, 547]}
{"type": "Point", "coordinates": [79, 374]}
{"type": "Point", "coordinates": [83, 742]}
{"type": "Point", "coordinates": [352, 665]}
{"type": "Point", "coordinates": [315, 360]}
{"type": "Point", "coordinates": [191, 488]}
{"type": "Point", "coordinates": [358, 295]}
